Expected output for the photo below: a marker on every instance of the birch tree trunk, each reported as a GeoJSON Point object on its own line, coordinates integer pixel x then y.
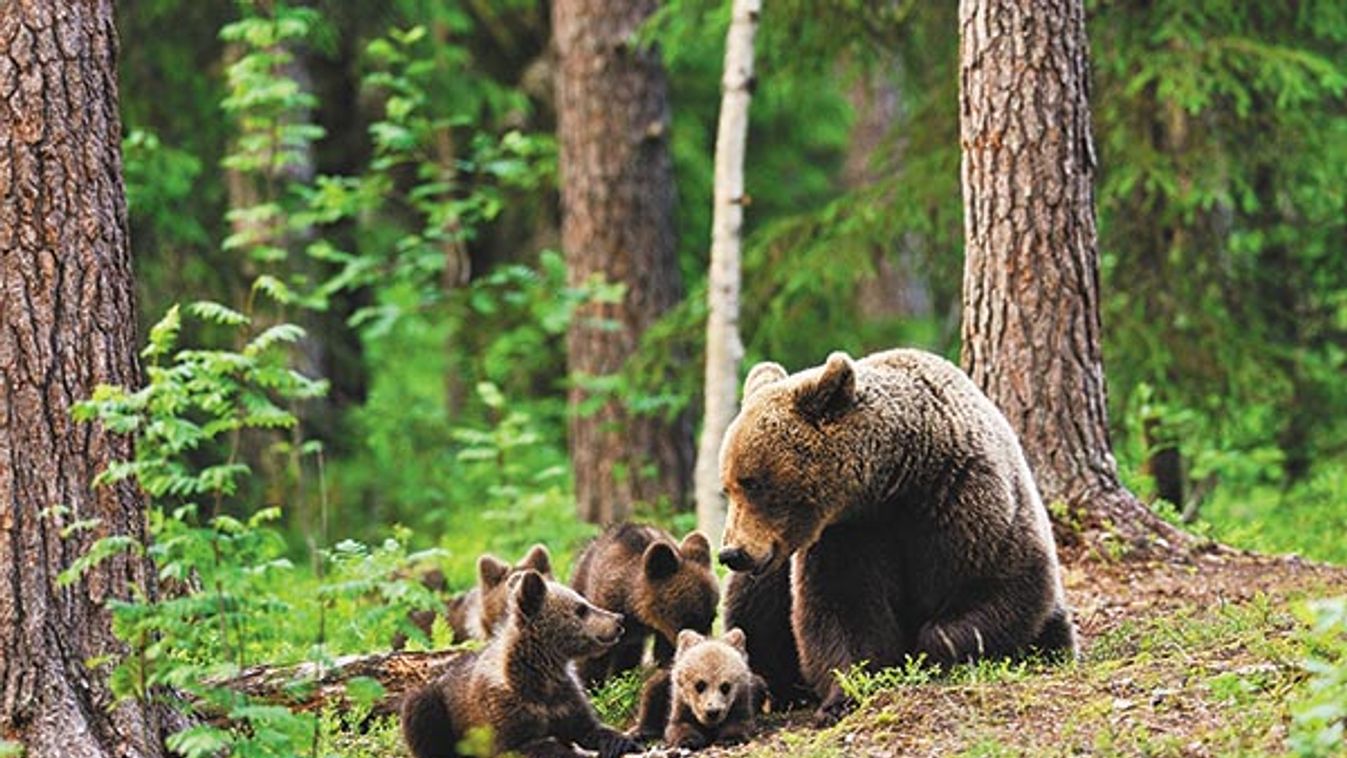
{"type": "Point", "coordinates": [1031, 277]}
{"type": "Point", "coordinates": [67, 307]}
{"type": "Point", "coordinates": [723, 347]}
{"type": "Point", "coordinates": [617, 225]}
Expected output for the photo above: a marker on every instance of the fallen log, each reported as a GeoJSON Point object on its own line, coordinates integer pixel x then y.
{"type": "Point", "coordinates": [312, 686]}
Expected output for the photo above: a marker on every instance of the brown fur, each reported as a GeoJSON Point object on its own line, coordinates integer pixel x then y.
{"type": "Point", "coordinates": [898, 498]}
{"type": "Point", "coordinates": [710, 696]}
{"type": "Point", "coordinates": [473, 614]}
{"type": "Point", "coordinates": [660, 586]}
{"type": "Point", "coordinates": [522, 686]}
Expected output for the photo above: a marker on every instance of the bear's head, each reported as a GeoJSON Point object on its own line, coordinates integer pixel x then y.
{"type": "Point", "coordinates": [492, 576]}
{"type": "Point", "coordinates": [710, 674]}
{"type": "Point", "coordinates": [678, 589]}
{"type": "Point", "coordinates": [792, 461]}
{"type": "Point", "coordinates": [558, 618]}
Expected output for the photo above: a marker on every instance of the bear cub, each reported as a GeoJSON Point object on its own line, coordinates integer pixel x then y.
{"type": "Point", "coordinates": [522, 686]}
{"type": "Point", "coordinates": [474, 614]}
{"type": "Point", "coordinates": [660, 586]}
{"type": "Point", "coordinates": [715, 696]}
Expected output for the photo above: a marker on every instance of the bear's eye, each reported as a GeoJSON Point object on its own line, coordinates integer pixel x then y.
{"type": "Point", "coordinates": [751, 484]}
{"type": "Point", "coordinates": [700, 687]}
{"type": "Point", "coordinates": [724, 688]}
{"type": "Point", "coordinates": [581, 611]}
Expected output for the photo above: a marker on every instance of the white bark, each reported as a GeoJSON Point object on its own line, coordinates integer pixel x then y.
{"type": "Point", "coordinates": [723, 348]}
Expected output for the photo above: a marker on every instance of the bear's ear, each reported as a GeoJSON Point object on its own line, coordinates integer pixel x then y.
{"type": "Point", "coordinates": [831, 394]}
{"type": "Point", "coordinates": [735, 638]}
{"type": "Point", "coordinates": [538, 559]}
{"type": "Point", "coordinates": [661, 562]}
{"type": "Point", "coordinates": [762, 375]}
{"type": "Point", "coordinates": [686, 639]}
{"type": "Point", "coordinates": [529, 592]}
{"type": "Point", "coordinates": [696, 548]}
{"type": "Point", "coordinates": [490, 571]}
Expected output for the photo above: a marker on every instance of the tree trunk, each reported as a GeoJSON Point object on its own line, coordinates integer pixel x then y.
{"type": "Point", "coordinates": [1031, 277]}
{"type": "Point", "coordinates": [724, 350]}
{"type": "Point", "coordinates": [617, 199]}
{"type": "Point", "coordinates": [68, 326]}
{"type": "Point", "coordinates": [896, 290]}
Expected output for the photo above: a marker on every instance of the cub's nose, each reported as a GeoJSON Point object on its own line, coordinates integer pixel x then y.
{"type": "Point", "coordinates": [736, 559]}
{"type": "Point", "coordinates": [713, 715]}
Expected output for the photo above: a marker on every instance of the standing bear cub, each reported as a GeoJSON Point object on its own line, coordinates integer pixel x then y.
{"type": "Point", "coordinates": [521, 687]}
{"type": "Point", "coordinates": [659, 586]}
{"type": "Point", "coordinates": [897, 497]}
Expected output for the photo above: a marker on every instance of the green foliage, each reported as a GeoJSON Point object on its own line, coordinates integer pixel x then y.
{"type": "Point", "coordinates": [861, 682]}
{"type": "Point", "coordinates": [1319, 717]}
{"type": "Point", "coordinates": [616, 700]}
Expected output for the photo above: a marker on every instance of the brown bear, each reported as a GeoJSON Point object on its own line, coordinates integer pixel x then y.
{"type": "Point", "coordinates": [715, 696]}
{"type": "Point", "coordinates": [473, 614]}
{"type": "Point", "coordinates": [658, 585]}
{"type": "Point", "coordinates": [522, 686]}
{"type": "Point", "coordinates": [897, 497]}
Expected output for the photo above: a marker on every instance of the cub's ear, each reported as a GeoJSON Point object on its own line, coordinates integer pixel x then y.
{"type": "Point", "coordinates": [686, 639]}
{"type": "Point", "coordinates": [762, 375]}
{"type": "Point", "coordinates": [660, 560]}
{"type": "Point", "coordinates": [696, 548]}
{"type": "Point", "coordinates": [529, 592]}
{"type": "Point", "coordinates": [538, 559]}
{"type": "Point", "coordinates": [491, 571]}
{"type": "Point", "coordinates": [735, 638]}
{"type": "Point", "coordinates": [832, 393]}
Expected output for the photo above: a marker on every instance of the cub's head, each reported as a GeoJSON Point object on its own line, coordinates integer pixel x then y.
{"type": "Point", "coordinates": [790, 461]}
{"type": "Point", "coordinates": [677, 589]}
{"type": "Point", "coordinates": [710, 674]}
{"type": "Point", "coordinates": [493, 573]}
{"type": "Point", "coordinates": [559, 617]}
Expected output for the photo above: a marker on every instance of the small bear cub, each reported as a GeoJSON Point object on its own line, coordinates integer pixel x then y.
{"type": "Point", "coordinates": [659, 585]}
{"type": "Point", "coordinates": [714, 693]}
{"type": "Point", "coordinates": [474, 614]}
{"type": "Point", "coordinates": [522, 686]}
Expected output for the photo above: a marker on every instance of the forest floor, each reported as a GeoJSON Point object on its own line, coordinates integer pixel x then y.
{"type": "Point", "coordinates": [1197, 657]}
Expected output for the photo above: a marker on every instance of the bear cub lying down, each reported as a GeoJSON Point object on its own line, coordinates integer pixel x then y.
{"type": "Point", "coordinates": [879, 509]}
{"type": "Point", "coordinates": [715, 697]}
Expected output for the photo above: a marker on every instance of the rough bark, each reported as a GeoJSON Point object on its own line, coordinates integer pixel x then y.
{"type": "Point", "coordinates": [66, 303]}
{"type": "Point", "coordinates": [1031, 278]}
{"type": "Point", "coordinates": [617, 199]}
{"type": "Point", "coordinates": [724, 350]}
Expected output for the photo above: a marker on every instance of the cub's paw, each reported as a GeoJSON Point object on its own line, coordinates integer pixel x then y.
{"type": "Point", "coordinates": [617, 744]}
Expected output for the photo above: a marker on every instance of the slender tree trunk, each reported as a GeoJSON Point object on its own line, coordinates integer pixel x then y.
{"type": "Point", "coordinates": [617, 199]}
{"type": "Point", "coordinates": [724, 350]}
{"type": "Point", "coordinates": [1031, 277]}
{"type": "Point", "coordinates": [68, 326]}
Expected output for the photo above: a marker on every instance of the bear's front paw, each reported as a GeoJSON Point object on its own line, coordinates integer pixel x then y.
{"type": "Point", "coordinates": [615, 744]}
{"type": "Point", "coordinates": [832, 709]}
{"type": "Point", "coordinates": [684, 737]}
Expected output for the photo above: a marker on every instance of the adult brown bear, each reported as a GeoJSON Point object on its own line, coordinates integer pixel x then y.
{"type": "Point", "coordinates": [897, 497]}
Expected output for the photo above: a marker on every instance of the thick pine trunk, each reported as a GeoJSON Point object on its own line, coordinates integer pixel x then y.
{"type": "Point", "coordinates": [1031, 278]}
{"type": "Point", "coordinates": [724, 350]}
{"type": "Point", "coordinates": [617, 202]}
{"type": "Point", "coordinates": [68, 325]}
